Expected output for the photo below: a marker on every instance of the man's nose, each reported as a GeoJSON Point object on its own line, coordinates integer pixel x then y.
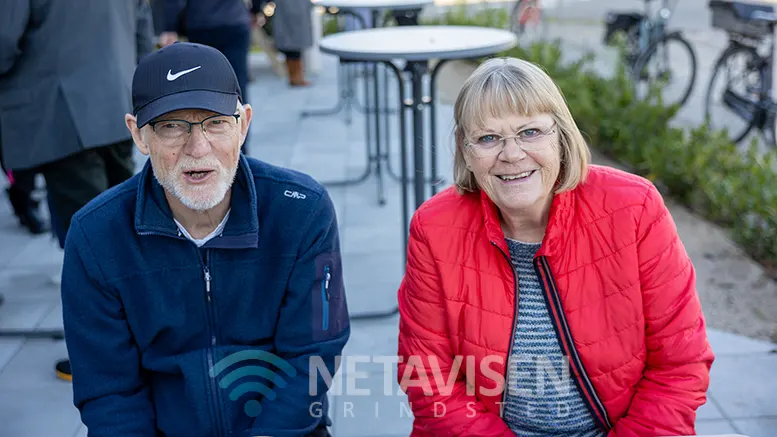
{"type": "Point", "coordinates": [198, 144]}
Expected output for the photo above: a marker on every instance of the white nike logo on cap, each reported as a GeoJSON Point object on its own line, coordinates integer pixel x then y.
{"type": "Point", "coordinates": [171, 77]}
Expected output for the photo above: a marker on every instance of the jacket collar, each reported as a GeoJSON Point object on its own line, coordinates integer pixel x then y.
{"type": "Point", "coordinates": [558, 222]}
{"type": "Point", "coordinates": [154, 217]}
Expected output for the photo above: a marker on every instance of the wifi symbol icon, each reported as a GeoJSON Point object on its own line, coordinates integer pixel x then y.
{"type": "Point", "coordinates": [252, 407]}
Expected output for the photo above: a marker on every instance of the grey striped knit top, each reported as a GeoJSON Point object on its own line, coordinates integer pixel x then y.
{"type": "Point", "coordinates": [542, 398]}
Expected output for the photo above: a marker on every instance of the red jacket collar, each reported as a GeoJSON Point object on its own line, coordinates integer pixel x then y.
{"type": "Point", "coordinates": [558, 221]}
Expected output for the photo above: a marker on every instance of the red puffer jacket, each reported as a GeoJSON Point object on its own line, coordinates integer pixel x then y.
{"type": "Point", "coordinates": [622, 296]}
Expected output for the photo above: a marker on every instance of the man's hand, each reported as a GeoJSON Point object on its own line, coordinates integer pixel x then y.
{"type": "Point", "coordinates": [167, 38]}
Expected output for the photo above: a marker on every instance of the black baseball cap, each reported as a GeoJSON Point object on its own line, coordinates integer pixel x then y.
{"type": "Point", "coordinates": [183, 76]}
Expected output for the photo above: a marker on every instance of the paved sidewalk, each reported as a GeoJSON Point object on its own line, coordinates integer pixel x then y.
{"type": "Point", "coordinates": [33, 403]}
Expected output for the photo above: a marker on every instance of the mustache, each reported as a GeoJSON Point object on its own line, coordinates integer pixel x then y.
{"type": "Point", "coordinates": [191, 164]}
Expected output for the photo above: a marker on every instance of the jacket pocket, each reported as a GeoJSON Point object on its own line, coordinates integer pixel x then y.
{"type": "Point", "coordinates": [329, 310]}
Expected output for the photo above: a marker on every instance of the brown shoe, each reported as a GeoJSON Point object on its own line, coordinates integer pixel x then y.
{"type": "Point", "coordinates": [296, 73]}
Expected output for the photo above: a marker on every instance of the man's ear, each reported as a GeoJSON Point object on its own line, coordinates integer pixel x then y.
{"type": "Point", "coordinates": [246, 122]}
{"type": "Point", "coordinates": [137, 134]}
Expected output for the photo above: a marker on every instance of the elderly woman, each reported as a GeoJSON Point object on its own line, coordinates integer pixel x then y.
{"type": "Point", "coordinates": [545, 296]}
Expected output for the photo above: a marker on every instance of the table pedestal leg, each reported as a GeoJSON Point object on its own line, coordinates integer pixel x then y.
{"type": "Point", "coordinates": [417, 73]}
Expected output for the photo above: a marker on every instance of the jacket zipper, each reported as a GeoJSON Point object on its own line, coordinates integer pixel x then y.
{"type": "Point", "coordinates": [564, 335]}
{"type": "Point", "coordinates": [212, 339]}
{"type": "Point", "coordinates": [512, 331]}
{"type": "Point", "coordinates": [325, 298]}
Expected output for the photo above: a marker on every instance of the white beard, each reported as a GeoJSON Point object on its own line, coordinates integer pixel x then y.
{"type": "Point", "coordinates": [197, 198]}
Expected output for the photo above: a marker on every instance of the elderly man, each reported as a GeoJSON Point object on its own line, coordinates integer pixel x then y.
{"type": "Point", "coordinates": [198, 295]}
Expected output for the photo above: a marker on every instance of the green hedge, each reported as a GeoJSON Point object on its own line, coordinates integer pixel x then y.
{"type": "Point", "coordinates": [735, 187]}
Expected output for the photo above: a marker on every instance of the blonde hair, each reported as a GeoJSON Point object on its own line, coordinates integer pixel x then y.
{"type": "Point", "coordinates": [502, 87]}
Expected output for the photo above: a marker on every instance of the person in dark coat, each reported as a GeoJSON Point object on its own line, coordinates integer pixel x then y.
{"type": "Point", "coordinates": [66, 71]}
{"type": "Point", "coordinates": [293, 34]}
{"type": "Point", "coordinates": [222, 24]}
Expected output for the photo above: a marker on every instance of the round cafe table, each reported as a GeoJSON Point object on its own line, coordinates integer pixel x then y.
{"type": "Point", "coordinates": [375, 105]}
{"type": "Point", "coordinates": [416, 46]}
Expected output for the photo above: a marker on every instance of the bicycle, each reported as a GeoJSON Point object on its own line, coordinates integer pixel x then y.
{"type": "Point", "coordinates": [647, 41]}
{"type": "Point", "coordinates": [749, 26]}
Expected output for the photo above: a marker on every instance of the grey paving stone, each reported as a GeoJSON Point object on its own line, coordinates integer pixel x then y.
{"type": "Point", "coordinates": [31, 283]}
{"type": "Point", "coordinates": [81, 431]}
{"type": "Point", "coordinates": [32, 368]}
{"type": "Point", "coordinates": [761, 427]}
{"type": "Point", "coordinates": [8, 348]}
{"type": "Point", "coordinates": [714, 427]}
{"type": "Point", "coordinates": [745, 386]}
{"type": "Point", "coordinates": [724, 343]}
{"type": "Point", "coordinates": [710, 410]}
{"type": "Point", "coordinates": [41, 250]}
{"type": "Point", "coordinates": [373, 338]}
{"type": "Point", "coordinates": [375, 236]}
{"type": "Point", "coordinates": [374, 267]}
{"type": "Point", "coordinates": [38, 411]}
{"type": "Point", "coordinates": [24, 314]}
{"type": "Point", "coordinates": [52, 320]}
{"type": "Point", "coordinates": [371, 407]}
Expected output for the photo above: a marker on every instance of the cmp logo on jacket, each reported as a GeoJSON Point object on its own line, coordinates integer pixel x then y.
{"type": "Point", "coordinates": [245, 365]}
{"type": "Point", "coordinates": [294, 194]}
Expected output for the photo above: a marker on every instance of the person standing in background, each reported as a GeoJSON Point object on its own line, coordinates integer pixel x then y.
{"type": "Point", "coordinates": [293, 34]}
{"type": "Point", "coordinates": [222, 24]}
{"type": "Point", "coordinates": [65, 86]}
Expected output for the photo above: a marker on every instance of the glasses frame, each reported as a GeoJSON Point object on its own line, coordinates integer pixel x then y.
{"type": "Point", "coordinates": [503, 142]}
{"type": "Point", "coordinates": [189, 124]}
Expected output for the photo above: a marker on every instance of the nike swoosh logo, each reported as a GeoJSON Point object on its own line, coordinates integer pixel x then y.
{"type": "Point", "coordinates": [171, 77]}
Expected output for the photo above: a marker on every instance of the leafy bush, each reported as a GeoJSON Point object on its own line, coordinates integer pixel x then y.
{"type": "Point", "coordinates": [732, 186]}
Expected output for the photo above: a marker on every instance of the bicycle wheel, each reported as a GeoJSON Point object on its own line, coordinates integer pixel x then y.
{"type": "Point", "coordinates": [663, 54]}
{"type": "Point", "coordinates": [526, 14]}
{"type": "Point", "coordinates": [738, 70]}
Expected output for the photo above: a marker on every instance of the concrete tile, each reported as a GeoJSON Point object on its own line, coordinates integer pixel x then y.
{"type": "Point", "coordinates": [709, 411]}
{"type": "Point", "coordinates": [366, 298]}
{"type": "Point", "coordinates": [30, 283]}
{"type": "Point", "coordinates": [81, 431]}
{"type": "Point", "coordinates": [378, 267]}
{"type": "Point", "coordinates": [277, 156]}
{"type": "Point", "coordinates": [52, 320]}
{"type": "Point", "coordinates": [23, 314]}
{"type": "Point", "coordinates": [13, 238]}
{"type": "Point", "coordinates": [36, 412]}
{"type": "Point", "coordinates": [373, 338]}
{"type": "Point", "coordinates": [745, 386]}
{"type": "Point", "coordinates": [374, 236]}
{"type": "Point", "coordinates": [322, 166]}
{"type": "Point", "coordinates": [761, 427]}
{"type": "Point", "coordinates": [8, 348]}
{"type": "Point", "coordinates": [32, 367]}
{"type": "Point", "coordinates": [372, 281]}
{"type": "Point", "coordinates": [371, 406]}
{"type": "Point", "coordinates": [714, 427]}
{"type": "Point", "coordinates": [41, 250]}
{"type": "Point", "coordinates": [724, 343]}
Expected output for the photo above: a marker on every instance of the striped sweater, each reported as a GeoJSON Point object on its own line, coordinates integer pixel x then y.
{"type": "Point", "coordinates": [542, 398]}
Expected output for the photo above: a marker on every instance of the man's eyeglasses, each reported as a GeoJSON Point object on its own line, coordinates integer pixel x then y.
{"type": "Point", "coordinates": [217, 127]}
{"type": "Point", "coordinates": [530, 140]}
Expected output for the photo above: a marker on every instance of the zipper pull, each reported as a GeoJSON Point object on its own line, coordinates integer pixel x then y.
{"type": "Point", "coordinates": [207, 282]}
{"type": "Point", "coordinates": [326, 284]}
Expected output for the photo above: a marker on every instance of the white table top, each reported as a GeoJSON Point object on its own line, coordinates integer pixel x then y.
{"type": "Point", "coordinates": [418, 43]}
{"type": "Point", "coordinates": [397, 5]}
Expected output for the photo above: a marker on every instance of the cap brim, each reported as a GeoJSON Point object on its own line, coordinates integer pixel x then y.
{"type": "Point", "coordinates": [220, 103]}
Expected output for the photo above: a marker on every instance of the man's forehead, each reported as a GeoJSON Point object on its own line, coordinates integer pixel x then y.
{"type": "Point", "coordinates": [187, 114]}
